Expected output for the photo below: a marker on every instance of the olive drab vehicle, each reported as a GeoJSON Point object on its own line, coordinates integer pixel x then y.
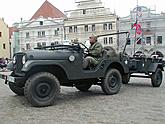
{"type": "Point", "coordinates": [38, 74]}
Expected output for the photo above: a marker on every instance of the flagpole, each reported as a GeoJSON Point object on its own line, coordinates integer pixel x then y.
{"type": "Point", "coordinates": [135, 30]}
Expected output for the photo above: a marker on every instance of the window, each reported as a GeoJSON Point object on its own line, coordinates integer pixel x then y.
{"type": "Point", "coordinates": [105, 26]}
{"type": "Point", "coordinates": [4, 46]}
{"type": "Point", "coordinates": [110, 26]}
{"type": "Point", "coordinates": [0, 34]}
{"type": "Point", "coordinates": [39, 45]}
{"type": "Point", "coordinates": [105, 40]}
{"type": "Point", "coordinates": [27, 35]}
{"type": "Point", "coordinates": [148, 24]}
{"type": "Point", "coordinates": [75, 29]}
{"type": "Point", "coordinates": [159, 39]}
{"type": "Point", "coordinates": [56, 43]}
{"type": "Point", "coordinates": [41, 22]}
{"type": "Point", "coordinates": [27, 46]}
{"type": "Point", "coordinates": [18, 41]}
{"type": "Point", "coordinates": [93, 28]}
{"type": "Point", "coordinates": [43, 44]}
{"type": "Point", "coordinates": [84, 11]}
{"type": "Point", "coordinates": [128, 41]}
{"type": "Point", "coordinates": [86, 28]}
{"type": "Point", "coordinates": [56, 33]}
{"type": "Point", "coordinates": [52, 44]}
{"type": "Point", "coordinates": [41, 34]}
{"type": "Point", "coordinates": [70, 29]}
{"type": "Point", "coordinates": [148, 40]}
{"type": "Point", "coordinates": [110, 40]}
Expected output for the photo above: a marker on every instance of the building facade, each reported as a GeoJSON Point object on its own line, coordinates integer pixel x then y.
{"type": "Point", "coordinates": [40, 32]}
{"type": "Point", "coordinates": [91, 17]}
{"type": "Point", "coordinates": [152, 38]}
{"type": "Point", "coordinates": [4, 40]}
{"type": "Point", "coordinates": [14, 40]}
{"type": "Point", "coordinates": [43, 29]}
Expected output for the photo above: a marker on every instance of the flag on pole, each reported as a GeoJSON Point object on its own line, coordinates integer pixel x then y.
{"type": "Point", "coordinates": [137, 27]}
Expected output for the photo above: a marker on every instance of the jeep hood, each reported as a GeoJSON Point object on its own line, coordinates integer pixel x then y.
{"type": "Point", "coordinates": [48, 54]}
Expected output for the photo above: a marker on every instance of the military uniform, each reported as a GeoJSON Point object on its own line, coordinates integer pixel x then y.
{"type": "Point", "coordinates": [95, 52]}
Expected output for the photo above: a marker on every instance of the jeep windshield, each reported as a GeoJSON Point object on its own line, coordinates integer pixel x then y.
{"type": "Point", "coordinates": [60, 47]}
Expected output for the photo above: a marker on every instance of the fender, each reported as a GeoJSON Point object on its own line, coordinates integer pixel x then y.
{"type": "Point", "coordinates": [120, 66]}
{"type": "Point", "coordinates": [154, 66]}
{"type": "Point", "coordinates": [32, 63]}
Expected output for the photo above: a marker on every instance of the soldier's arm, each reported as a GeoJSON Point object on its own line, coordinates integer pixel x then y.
{"type": "Point", "coordinates": [96, 51]}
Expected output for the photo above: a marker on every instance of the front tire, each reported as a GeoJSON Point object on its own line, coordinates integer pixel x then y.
{"type": "Point", "coordinates": [16, 89]}
{"type": "Point", "coordinates": [156, 78]}
{"type": "Point", "coordinates": [112, 82]}
{"type": "Point", "coordinates": [41, 89]}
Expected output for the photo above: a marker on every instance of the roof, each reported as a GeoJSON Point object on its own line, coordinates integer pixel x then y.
{"type": "Point", "coordinates": [11, 30]}
{"type": "Point", "coordinates": [48, 10]}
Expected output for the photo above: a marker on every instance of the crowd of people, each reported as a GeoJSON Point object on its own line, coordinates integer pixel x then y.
{"type": "Point", "coordinates": [3, 62]}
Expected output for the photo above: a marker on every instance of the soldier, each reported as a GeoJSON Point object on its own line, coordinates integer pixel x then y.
{"type": "Point", "coordinates": [95, 52]}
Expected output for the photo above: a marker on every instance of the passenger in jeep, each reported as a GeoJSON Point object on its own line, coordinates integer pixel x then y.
{"type": "Point", "coordinates": [95, 53]}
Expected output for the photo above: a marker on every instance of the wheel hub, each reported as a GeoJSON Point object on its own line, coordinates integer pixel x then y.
{"type": "Point", "coordinates": [112, 81]}
{"type": "Point", "coordinates": [43, 89]}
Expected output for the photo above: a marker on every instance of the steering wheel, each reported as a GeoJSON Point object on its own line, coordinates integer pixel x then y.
{"type": "Point", "coordinates": [85, 47]}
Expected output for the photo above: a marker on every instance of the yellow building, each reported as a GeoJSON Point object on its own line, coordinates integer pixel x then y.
{"type": "Point", "coordinates": [4, 40]}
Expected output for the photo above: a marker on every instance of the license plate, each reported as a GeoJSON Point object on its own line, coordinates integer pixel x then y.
{"type": "Point", "coordinates": [10, 79]}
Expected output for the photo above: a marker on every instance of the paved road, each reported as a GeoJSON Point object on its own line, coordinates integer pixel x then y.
{"type": "Point", "coordinates": [137, 103]}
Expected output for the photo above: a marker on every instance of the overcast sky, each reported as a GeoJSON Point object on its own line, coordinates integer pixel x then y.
{"type": "Point", "coordinates": [13, 10]}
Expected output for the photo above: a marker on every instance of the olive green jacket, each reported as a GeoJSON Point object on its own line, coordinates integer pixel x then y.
{"type": "Point", "coordinates": [95, 50]}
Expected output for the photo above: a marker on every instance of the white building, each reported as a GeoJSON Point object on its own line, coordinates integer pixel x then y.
{"type": "Point", "coordinates": [153, 30]}
{"type": "Point", "coordinates": [44, 28]}
{"type": "Point", "coordinates": [91, 17]}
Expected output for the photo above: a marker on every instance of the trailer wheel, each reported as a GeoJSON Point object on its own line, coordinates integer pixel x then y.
{"type": "Point", "coordinates": [156, 78]}
{"type": "Point", "coordinates": [112, 82]}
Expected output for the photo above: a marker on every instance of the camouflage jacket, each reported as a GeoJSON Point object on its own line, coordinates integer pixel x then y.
{"type": "Point", "coordinates": [95, 50]}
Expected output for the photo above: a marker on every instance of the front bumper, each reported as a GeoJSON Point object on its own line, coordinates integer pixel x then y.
{"type": "Point", "coordinates": [13, 79]}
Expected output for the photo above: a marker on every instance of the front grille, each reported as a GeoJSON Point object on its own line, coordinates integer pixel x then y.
{"type": "Point", "coordinates": [18, 65]}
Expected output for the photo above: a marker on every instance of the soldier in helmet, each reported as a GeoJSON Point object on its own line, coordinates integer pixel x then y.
{"type": "Point", "coordinates": [95, 52]}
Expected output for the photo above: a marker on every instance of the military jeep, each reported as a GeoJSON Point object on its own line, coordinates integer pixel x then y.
{"type": "Point", "coordinates": [39, 73]}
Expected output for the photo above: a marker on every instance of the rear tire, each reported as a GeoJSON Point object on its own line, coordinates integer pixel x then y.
{"type": "Point", "coordinates": [16, 89]}
{"type": "Point", "coordinates": [112, 82]}
{"type": "Point", "coordinates": [41, 89]}
{"type": "Point", "coordinates": [156, 78]}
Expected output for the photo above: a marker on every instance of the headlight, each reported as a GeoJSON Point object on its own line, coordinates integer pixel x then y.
{"type": "Point", "coordinates": [14, 60]}
{"type": "Point", "coordinates": [71, 58]}
{"type": "Point", "coordinates": [23, 59]}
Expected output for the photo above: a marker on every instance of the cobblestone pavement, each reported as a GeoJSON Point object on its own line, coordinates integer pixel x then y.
{"type": "Point", "coordinates": [136, 103]}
